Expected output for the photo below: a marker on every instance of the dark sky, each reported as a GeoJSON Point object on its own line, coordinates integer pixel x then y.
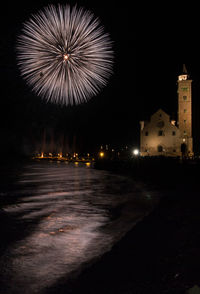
{"type": "Point", "coordinates": [151, 43]}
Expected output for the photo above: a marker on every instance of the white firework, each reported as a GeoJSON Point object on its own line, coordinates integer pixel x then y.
{"type": "Point", "coordinates": [64, 54]}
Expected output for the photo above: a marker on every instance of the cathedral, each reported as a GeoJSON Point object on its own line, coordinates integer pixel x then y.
{"type": "Point", "coordinates": [163, 136]}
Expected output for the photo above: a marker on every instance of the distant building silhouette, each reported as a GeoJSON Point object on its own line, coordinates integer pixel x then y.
{"type": "Point", "coordinates": [162, 136]}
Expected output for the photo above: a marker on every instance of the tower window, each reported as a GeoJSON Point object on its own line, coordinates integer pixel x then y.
{"type": "Point", "coordinates": [185, 98]}
{"type": "Point", "coordinates": [184, 121]}
{"type": "Point", "coordinates": [173, 133]}
{"type": "Point", "coordinates": [185, 133]}
{"type": "Point", "coordinates": [146, 133]}
{"type": "Point", "coordinates": [160, 133]}
{"type": "Point", "coordinates": [185, 110]}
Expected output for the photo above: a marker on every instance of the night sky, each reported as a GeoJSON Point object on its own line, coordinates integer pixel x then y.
{"type": "Point", "coordinates": [150, 42]}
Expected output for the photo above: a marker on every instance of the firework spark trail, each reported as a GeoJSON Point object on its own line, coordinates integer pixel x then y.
{"type": "Point", "coordinates": [64, 54]}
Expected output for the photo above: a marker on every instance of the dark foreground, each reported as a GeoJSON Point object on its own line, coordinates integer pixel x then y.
{"type": "Point", "coordinates": [161, 254]}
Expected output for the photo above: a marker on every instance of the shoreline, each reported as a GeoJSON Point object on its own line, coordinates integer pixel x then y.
{"type": "Point", "coordinates": [160, 254]}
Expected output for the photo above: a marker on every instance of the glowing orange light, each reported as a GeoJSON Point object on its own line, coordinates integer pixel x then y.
{"type": "Point", "coordinates": [66, 57]}
{"type": "Point", "coordinates": [101, 154]}
{"type": "Point", "coordinates": [42, 154]}
{"type": "Point", "coordinates": [88, 163]}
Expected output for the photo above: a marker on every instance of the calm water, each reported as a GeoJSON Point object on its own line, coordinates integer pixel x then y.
{"type": "Point", "coordinates": [56, 217]}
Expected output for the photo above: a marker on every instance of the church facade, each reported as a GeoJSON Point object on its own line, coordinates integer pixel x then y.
{"type": "Point", "coordinates": [162, 136]}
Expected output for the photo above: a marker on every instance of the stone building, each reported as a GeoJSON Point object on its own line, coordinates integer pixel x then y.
{"type": "Point", "coordinates": [162, 136]}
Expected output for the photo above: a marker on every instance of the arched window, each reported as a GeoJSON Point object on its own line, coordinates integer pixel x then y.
{"type": "Point", "coordinates": [160, 148]}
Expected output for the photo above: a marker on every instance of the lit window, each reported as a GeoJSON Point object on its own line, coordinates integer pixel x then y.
{"type": "Point", "coordinates": [182, 77]}
{"type": "Point", "coordinates": [146, 133]}
{"type": "Point", "coordinates": [185, 98]}
{"type": "Point", "coordinates": [173, 133]}
{"type": "Point", "coordinates": [160, 133]}
{"type": "Point", "coordinates": [185, 110]}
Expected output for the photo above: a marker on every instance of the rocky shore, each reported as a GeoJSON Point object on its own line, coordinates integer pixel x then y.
{"type": "Point", "coordinates": [161, 254]}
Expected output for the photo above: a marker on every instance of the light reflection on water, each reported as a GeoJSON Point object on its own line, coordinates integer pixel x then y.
{"type": "Point", "coordinates": [75, 213]}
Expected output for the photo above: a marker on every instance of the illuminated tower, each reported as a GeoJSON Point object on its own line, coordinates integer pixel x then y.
{"type": "Point", "coordinates": [185, 112]}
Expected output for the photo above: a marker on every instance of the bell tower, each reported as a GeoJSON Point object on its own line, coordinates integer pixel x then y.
{"type": "Point", "coordinates": [185, 112]}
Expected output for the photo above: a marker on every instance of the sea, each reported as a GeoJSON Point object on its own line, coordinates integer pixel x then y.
{"type": "Point", "coordinates": [57, 218]}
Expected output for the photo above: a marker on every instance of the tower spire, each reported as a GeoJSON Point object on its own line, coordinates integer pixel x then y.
{"type": "Point", "coordinates": [184, 76]}
{"type": "Point", "coordinates": [184, 69]}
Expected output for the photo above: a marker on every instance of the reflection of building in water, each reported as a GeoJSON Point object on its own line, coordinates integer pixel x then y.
{"type": "Point", "coordinates": [161, 136]}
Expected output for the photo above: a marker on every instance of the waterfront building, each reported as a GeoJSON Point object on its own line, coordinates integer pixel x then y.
{"type": "Point", "coordinates": [162, 136]}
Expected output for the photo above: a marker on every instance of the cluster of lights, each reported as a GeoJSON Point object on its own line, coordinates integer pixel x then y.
{"type": "Point", "coordinates": [75, 157]}
{"type": "Point", "coordinates": [135, 152]}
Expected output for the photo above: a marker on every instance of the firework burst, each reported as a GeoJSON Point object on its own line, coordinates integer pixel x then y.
{"type": "Point", "coordinates": [64, 54]}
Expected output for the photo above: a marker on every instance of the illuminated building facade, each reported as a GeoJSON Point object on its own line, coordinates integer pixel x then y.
{"type": "Point", "coordinates": [161, 136]}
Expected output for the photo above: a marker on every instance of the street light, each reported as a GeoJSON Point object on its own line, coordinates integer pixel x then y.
{"type": "Point", "coordinates": [101, 154]}
{"type": "Point", "coordinates": [136, 152]}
